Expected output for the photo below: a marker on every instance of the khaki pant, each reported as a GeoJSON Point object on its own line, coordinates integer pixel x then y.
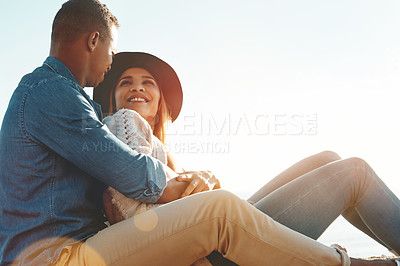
{"type": "Point", "coordinates": [181, 232]}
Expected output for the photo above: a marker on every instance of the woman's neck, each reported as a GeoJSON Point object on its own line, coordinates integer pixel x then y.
{"type": "Point", "coordinates": [151, 122]}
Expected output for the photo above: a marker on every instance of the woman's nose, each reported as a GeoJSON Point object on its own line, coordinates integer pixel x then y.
{"type": "Point", "coordinates": [141, 89]}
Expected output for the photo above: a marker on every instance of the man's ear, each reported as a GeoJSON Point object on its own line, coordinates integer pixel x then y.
{"type": "Point", "coordinates": [93, 40]}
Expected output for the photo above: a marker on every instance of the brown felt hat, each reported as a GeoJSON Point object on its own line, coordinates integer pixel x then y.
{"type": "Point", "coordinates": [164, 74]}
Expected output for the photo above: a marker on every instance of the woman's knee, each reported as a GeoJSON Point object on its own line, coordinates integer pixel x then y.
{"type": "Point", "coordinates": [356, 162]}
{"type": "Point", "coordinates": [361, 169]}
{"type": "Point", "coordinates": [327, 156]}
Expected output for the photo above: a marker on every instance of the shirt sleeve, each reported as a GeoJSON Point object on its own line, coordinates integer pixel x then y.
{"type": "Point", "coordinates": [58, 116]}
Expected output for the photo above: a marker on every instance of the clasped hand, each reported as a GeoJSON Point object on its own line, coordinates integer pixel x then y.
{"type": "Point", "coordinates": [198, 181]}
{"type": "Point", "coordinates": [188, 183]}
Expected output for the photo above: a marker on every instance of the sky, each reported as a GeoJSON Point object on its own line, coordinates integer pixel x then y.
{"type": "Point", "coordinates": [266, 83]}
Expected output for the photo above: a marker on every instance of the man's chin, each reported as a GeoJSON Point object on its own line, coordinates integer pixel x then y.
{"type": "Point", "coordinates": [101, 79]}
{"type": "Point", "coordinates": [90, 85]}
{"type": "Point", "coordinates": [94, 84]}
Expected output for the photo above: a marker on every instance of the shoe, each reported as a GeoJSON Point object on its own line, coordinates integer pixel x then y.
{"type": "Point", "coordinates": [394, 252]}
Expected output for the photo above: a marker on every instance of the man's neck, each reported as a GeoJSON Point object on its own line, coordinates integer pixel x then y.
{"type": "Point", "coordinates": [73, 59]}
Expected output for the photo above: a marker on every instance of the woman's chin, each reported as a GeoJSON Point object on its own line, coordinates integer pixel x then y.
{"type": "Point", "coordinates": [140, 111]}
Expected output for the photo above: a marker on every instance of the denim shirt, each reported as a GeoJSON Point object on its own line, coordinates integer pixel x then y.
{"type": "Point", "coordinates": [56, 157]}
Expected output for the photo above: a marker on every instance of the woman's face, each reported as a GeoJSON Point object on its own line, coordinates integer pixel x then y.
{"type": "Point", "coordinates": [137, 90]}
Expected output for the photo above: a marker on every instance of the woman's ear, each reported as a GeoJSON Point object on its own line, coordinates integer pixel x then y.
{"type": "Point", "coordinates": [93, 40]}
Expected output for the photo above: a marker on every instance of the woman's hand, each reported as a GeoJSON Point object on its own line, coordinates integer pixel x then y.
{"type": "Point", "coordinates": [198, 181]}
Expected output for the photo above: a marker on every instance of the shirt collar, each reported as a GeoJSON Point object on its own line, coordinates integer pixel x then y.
{"type": "Point", "coordinates": [58, 67]}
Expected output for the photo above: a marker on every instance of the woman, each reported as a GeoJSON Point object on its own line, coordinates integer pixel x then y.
{"type": "Point", "coordinates": [307, 197]}
{"type": "Point", "coordinates": [137, 114]}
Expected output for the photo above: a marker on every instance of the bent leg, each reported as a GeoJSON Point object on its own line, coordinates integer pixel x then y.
{"type": "Point", "coordinates": [310, 203]}
{"type": "Point", "coordinates": [300, 168]}
{"type": "Point", "coordinates": [352, 216]}
{"type": "Point", "coordinates": [185, 230]}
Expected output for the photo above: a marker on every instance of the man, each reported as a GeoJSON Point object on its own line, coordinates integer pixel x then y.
{"type": "Point", "coordinates": [56, 157]}
{"type": "Point", "coordinates": [44, 192]}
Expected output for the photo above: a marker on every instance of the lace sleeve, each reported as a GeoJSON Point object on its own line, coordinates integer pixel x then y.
{"type": "Point", "coordinates": [132, 129]}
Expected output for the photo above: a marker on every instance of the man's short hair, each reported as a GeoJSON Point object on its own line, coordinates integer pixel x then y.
{"type": "Point", "coordinates": [77, 17]}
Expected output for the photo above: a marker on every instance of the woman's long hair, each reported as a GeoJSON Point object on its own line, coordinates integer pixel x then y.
{"type": "Point", "coordinates": [162, 119]}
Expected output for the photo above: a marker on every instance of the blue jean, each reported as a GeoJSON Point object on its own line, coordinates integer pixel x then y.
{"type": "Point", "coordinates": [311, 202]}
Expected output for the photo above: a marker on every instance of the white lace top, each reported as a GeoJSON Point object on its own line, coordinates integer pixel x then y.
{"type": "Point", "coordinates": [132, 129]}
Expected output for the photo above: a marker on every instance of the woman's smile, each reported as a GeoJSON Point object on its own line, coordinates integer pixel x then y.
{"type": "Point", "coordinates": [135, 98]}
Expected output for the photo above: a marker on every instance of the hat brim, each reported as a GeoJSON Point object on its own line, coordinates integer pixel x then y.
{"type": "Point", "coordinates": [164, 74]}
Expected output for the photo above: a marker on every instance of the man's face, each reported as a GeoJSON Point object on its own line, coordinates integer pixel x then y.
{"type": "Point", "coordinates": [102, 58]}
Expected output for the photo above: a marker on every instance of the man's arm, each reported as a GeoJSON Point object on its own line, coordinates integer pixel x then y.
{"type": "Point", "coordinates": [60, 118]}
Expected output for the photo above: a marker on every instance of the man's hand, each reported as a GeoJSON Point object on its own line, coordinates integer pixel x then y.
{"type": "Point", "coordinates": [172, 191]}
{"type": "Point", "coordinates": [198, 181]}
